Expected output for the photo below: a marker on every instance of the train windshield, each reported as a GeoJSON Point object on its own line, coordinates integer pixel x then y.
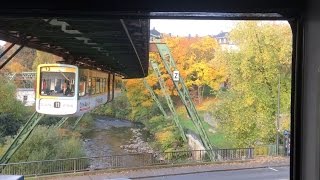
{"type": "Point", "coordinates": [57, 84]}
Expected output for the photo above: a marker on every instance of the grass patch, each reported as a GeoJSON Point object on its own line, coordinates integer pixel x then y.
{"type": "Point", "coordinates": [217, 138]}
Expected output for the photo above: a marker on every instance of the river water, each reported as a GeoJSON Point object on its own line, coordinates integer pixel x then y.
{"type": "Point", "coordinates": [112, 136]}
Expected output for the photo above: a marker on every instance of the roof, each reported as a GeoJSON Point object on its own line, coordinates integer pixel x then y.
{"type": "Point", "coordinates": [154, 33]}
{"type": "Point", "coordinates": [221, 35]}
{"type": "Point", "coordinates": [107, 44]}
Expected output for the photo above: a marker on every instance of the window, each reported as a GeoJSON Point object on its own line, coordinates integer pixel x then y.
{"type": "Point", "coordinates": [25, 98]}
{"type": "Point", "coordinates": [89, 88]}
{"type": "Point", "coordinates": [102, 85]}
{"type": "Point", "coordinates": [93, 87]}
{"type": "Point", "coordinates": [82, 85]}
{"type": "Point", "coordinates": [98, 86]}
{"type": "Point", "coordinates": [57, 83]}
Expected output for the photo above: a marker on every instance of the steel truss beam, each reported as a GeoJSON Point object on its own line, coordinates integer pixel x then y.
{"type": "Point", "coordinates": [168, 99]}
{"type": "Point", "coordinates": [12, 55]}
{"type": "Point", "coordinates": [8, 49]}
{"type": "Point", "coordinates": [183, 92]}
{"type": "Point", "coordinates": [61, 122]}
{"type": "Point", "coordinates": [77, 121]}
{"type": "Point", "coordinates": [21, 137]}
{"type": "Point", "coordinates": [154, 97]}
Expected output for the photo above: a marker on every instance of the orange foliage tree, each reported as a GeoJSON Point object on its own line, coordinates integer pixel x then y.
{"type": "Point", "coordinates": [199, 63]}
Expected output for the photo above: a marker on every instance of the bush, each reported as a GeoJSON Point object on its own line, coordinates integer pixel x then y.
{"type": "Point", "coordinates": [47, 143]}
{"type": "Point", "coordinates": [49, 120]}
{"type": "Point", "coordinates": [118, 108]}
{"type": "Point", "coordinates": [85, 125]}
{"type": "Point", "coordinates": [9, 124]}
{"type": "Point", "coordinates": [12, 112]}
{"type": "Point", "coordinates": [9, 103]}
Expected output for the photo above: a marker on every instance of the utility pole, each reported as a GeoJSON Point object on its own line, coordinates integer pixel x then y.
{"type": "Point", "coordinates": [278, 117]}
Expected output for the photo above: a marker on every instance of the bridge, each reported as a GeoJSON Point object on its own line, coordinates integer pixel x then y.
{"type": "Point", "coordinates": [112, 45]}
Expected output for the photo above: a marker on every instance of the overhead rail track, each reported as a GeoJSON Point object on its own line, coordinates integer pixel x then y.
{"type": "Point", "coordinates": [118, 46]}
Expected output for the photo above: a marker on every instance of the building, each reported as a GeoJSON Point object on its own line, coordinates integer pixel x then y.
{"type": "Point", "coordinates": [154, 34]}
{"type": "Point", "coordinates": [25, 82]}
{"type": "Point", "coordinates": [224, 41]}
{"type": "Point", "coordinates": [26, 96]}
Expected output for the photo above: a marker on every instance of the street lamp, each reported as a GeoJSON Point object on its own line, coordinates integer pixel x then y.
{"type": "Point", "coordinates": [278, 118]}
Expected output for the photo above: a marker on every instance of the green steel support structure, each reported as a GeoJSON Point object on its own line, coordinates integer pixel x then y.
{"type": "Point", "coordinates": [154, 97]}
{"type": "Point", "coordinates": [168, 99]}
{"type": "Point", "coordinates": [59, 124]}
{"type": "Point", "coordinates": [21, 137]}
{"type": "Point", "coordinates": [183, 92]}
{"type": "Point", "coordinates": [77, 121]}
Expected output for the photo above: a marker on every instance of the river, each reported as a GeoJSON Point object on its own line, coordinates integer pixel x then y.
{"type": "Point", "coordinates": [112, 136]}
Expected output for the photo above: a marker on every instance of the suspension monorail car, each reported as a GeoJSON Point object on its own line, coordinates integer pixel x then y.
{"type": "Point", "coordinates": [69, 90]}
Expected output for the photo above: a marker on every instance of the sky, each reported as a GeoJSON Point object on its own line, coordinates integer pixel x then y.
{"type": "Point", "coordinates": [2, 43]}
{"type": "Point", "coordinates": [193, 27]}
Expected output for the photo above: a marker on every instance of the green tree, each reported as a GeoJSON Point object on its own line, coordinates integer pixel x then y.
{"type": "Point", "coordinates": [12, 112]}
{"type": "Point", "coordinates": [248, 110]}
{"type": "Point", "coordinates": [9, 103]}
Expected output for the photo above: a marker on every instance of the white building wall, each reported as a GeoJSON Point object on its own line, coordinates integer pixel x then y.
{"type": "Point", "coordinates": [26, 95]}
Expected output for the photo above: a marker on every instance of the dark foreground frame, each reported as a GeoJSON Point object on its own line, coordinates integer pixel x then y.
{"type": "Point", "coordinates": [305, 113]}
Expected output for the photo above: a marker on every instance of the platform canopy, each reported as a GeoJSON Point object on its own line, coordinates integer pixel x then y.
{"type": "Point", "coordinates": [114, 45]}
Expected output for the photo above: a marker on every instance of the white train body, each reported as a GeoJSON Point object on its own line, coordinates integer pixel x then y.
{"type": "Point", "coordinates": [66, 90]}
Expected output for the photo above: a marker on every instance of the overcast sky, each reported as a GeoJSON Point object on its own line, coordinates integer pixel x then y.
{"type": "Point", "coordinates": [193, 27]}
{"type": "Point", "coordinates": [2, 43]}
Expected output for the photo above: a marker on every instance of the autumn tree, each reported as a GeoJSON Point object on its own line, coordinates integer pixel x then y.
{"type": "Point", "coordinates": [198, 60]}
{"type": "Point", "coordinates": [248, 111]}
{"type": "Point", "coordinates": [22, 61]}
{"type": "Point", "coordinates": [44, 57]}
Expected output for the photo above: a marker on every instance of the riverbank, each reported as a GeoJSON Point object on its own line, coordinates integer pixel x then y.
{"type": "Point", "coordinates": [137, 144]}
{"type": "Point", "coordinates": [111, 136]}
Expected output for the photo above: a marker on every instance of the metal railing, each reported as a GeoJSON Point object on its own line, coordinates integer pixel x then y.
{"type": "Point", "coordinates": [270, 150]}
{"type": "Point", "coordinates": [73, 165]}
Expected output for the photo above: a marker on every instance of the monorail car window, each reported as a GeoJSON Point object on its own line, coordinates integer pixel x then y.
{"type": "Point", "coordinates": [93, 85]}
{"type": "Point", "coordinates": [82, 86]}
{"type": "Point", "coordinates": [97, 85]}
{"type": "Point", "coordinates": [102, 85]}
{"type": "Point", "coordinates": [57, 83]}
{"type": "Point", "coordinates": [88, 90]}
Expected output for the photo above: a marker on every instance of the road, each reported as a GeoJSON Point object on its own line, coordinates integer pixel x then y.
{"type": "Point", "coordinates": [261, 168]}
{"type": "Point", "coordinates": [272, 173]}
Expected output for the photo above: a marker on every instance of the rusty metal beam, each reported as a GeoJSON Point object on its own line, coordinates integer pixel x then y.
{"type": "Point", "coordinates": [12, 55]}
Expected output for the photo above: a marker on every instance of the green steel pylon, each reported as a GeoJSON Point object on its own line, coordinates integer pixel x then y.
{"type": "Point", "coordinates": [154, 97]}
{"type": "Point", "coordinates": [168, 99]}
{"type": "Point", "coordinates": [21, 137]}
{"type": "Point", "coordinates": [59, 124]}
{"type": "Point", "coordinates": [183, 92]}
{"type": "Point", "coordinates": [77, 121]}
